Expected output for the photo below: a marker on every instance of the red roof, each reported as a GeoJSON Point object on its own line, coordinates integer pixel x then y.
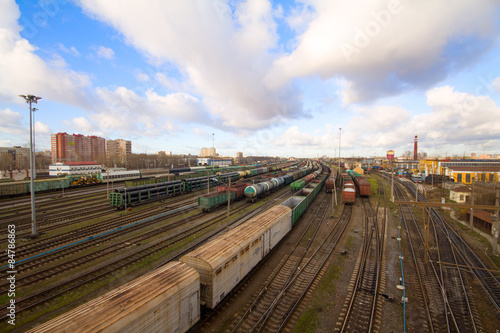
{"type": "Point", "coordinates": [482, 215]}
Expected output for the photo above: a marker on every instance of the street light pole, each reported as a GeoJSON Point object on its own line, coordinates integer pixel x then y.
{"type": "Point", "coordinates": [32, 99]}
{"type": "Point", "coordinates": [34, 143]}
{"type": "Point", "coordinates": [340, 137]}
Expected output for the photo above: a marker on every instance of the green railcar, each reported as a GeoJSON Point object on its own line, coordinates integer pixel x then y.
{"type": "Point", "coordinates": [116, 200]}
{"type": "Point", "coordinates": [213, 200]}
{"type": "Point", "coordinates": [297, 185]}
{"type": "Point", "coordinates": [14, 188]}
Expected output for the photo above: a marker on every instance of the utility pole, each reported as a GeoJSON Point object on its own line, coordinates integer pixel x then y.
{"type": "Point", "coordinates": [34, 144]}
{"type": "Point", "coordinates": [472, 202]}
{"type": "Point", "coordinates": [228, 203]}
{"type": "Point", "coordinates": [340, 138]}
{"type": "Point", "coordinates": [32, 99]}
{"type": "Point", "coordinates": [208, 181]}
{"type": "Point", "coordinates": [495, 230]}
{"type": "Point", "coordinates": [392, 180]}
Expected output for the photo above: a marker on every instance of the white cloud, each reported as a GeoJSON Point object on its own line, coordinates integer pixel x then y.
{"type": "Point", "coordinates": [454, 119]}
{"type": "Point", "coordinates": [141, 77]}
{"type": "Point", "coordinates": [24, 72]}
{"type": "Point", "coordinates": [294, 138]}
{"type": "Point", "coordinates": [42, 128]}
{"type": "Point", "coordinates": [382, 48]}
{"type": "Point", "coordinates": [104, 52]}
{"type": "Point", "coordinates": [496, 84]}
{"type": "Point", "coordinates": [11, 122]}
{"type": "Point", "coordinates": [223, 52]}
{"type": "Point", "coordinates": [72, 50]}
{"type": "Point", "coordinates": [179, 106]}
{"type": "Point", "coordinates": [200, 132]}
{"type": "Point", "coordinates": [82, 125]}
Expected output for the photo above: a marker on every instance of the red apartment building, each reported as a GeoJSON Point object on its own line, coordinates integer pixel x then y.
{"type": "Point", "coordinates": [77, 148]}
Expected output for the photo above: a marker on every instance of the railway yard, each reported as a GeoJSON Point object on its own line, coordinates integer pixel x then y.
{"type": "Point", "coordinates": [293, 255]}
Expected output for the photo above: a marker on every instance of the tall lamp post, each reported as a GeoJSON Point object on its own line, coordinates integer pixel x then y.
{"type": "Point", "coordinates": [340, 137]}
{"type": "Point", "coordinates": [34, 143]}
{"type": "Point", "coordinates": [32, 99]}
{"type": "Point", "coordinates": [213, 150]}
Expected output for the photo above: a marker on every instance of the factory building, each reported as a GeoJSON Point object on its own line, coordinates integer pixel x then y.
{"type": "Point", "coordinates": [77, 147]}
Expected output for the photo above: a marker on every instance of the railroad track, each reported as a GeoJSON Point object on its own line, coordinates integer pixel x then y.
{"type": "Point", "coordinates": [443, 284]}
{"type": "Point", "coordinates": [274, 307]}
{"type": "Point", "coordinates": [164, 239]}
{"type": "Point", "coordinates": [12, 203]}
{"type": "Point", "coordinates": [447, 260]}
{"type": "Point", "coordinates": [362, 308]}
{"type": "Point", "coordinates": [67, 215]}
{"type": "Point", "coordinates": [46, 244]}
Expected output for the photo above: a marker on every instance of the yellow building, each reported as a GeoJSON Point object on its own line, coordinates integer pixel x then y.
{"type": "Point", "coordinates": [462, 171]}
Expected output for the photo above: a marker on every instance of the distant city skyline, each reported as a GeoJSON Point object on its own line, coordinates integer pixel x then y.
{"type": "Point", "coordinates": [268, 78]}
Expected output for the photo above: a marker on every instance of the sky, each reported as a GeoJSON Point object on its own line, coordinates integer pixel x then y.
{"type": "Point", "coordinates": [272, 78]}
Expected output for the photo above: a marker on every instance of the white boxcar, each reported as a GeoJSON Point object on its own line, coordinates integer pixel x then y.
{"type": "Point", "coordinates": [164, 300]}
{"type": "Point", "coordinates": [224, 261]}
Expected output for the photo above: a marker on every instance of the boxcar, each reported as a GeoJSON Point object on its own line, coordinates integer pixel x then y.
{"type": "Point", "coordinates": [211, 201]}
{"type": "Point", "coordinates": [297, 185]}
{"type": "Point", "coordinates": [14, 188]}
{"type": "Point", "coordinates": [330, 184]}
{"type": "Point", "coordinates": [224, 261]}
{"type": "Point", "coordinates": [364, 187]}
{"type": "Point", "coordinates": [348, 192]}
{"type": "Point", "coordinates": [164, 300]}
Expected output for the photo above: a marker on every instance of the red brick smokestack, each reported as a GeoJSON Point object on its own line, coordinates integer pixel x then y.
{"type": "Point", "coordinates": [415, 149]}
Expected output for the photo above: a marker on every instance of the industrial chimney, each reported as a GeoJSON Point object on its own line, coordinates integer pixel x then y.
{"type": "Point", "coordinates": [415, 156]}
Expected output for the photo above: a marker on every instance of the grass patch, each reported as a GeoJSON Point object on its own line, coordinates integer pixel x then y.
{"type": "Point", "coordinates": [308, 322]}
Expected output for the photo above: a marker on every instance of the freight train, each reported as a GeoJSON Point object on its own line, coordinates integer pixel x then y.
{"type": "Point", "coordinates": [362, 184]}
{"type": "Point", "coordinates": [128, 196]}
{"type": "Point", "coordinates": [330, 182]}
{"type": "Point", "coordinates": [301, 183]}
{"type": "Point", "coordinates": [211, 201]}
{"type": "Point", "coordinates": [251, 191]}
{"type": "Point", "coordinates": [182, 170]}
{"type": "Point", "coordinates": [16, 188]}
{"type": "Point", "coordinates": [170, 298]}
{"type": "Point", "coordinates": [348, 190]}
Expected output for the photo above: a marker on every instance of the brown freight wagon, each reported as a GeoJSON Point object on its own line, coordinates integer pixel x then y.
{"type": "Point", "coordinates": [364, 187]}
{"type": "Point", "coordinates": [330, 184]}
{"type": "Point", "coordinates": [164, 300]}
{"type": "Point", "coordinates": [348, 193]}
{"type": "Point", "coordinates": [225, 261]}
{"type": "Point", "coordinates": [238, 188]}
